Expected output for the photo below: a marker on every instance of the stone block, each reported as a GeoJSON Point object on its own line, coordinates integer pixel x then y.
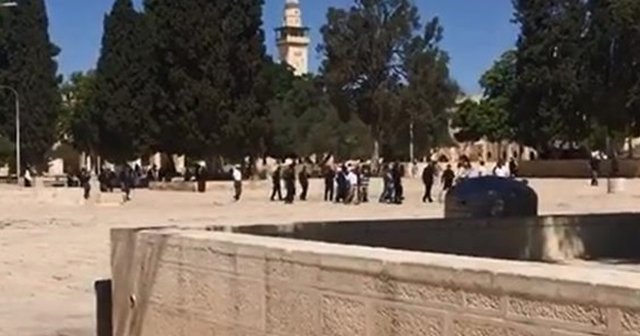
{"type": "Point", "coordinates": [347, 282]}
{"type": "Point", "coordinates": [427, 295]}
{"type": "Point", "coordinates": [249, 300]}
{"type": "Point", "coordinates": [574, 315]}
{"type": "Point", "coordinates": [631, 322]}
{"type": "Point", "coordinates": [486, 303]}
{"type": "Point", "coordinates": [166, 288]}
{"type": "Point", "coordinates": [298, 273]}
{"type": "Point", "coordinates": [397, 320]}
{"type": "Point", "coordinates": [159, 320]}
{"type": "Point", "coordinates": [292, 312]}
{"type": "Point", "coordinates": [343, 316]}
{"type": "Point", "coordinates": [474, 327]}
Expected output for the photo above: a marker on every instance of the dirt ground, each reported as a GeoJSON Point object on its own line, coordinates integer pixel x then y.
{"type": "Point", "coordinates": [53, 246]}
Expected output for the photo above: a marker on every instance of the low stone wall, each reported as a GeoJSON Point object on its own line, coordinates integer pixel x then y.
{"type": "Point", "coordinates": [547, 238]}
{"type": "Point", "coordinates": [574, 169]}
{"type": "Point", "coordinates": [179, 283]}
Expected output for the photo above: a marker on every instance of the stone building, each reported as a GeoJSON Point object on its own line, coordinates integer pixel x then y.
{"type": "Point", "coordinates": [293, 39]}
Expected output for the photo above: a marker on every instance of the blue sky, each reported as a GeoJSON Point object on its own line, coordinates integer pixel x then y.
{"type": "Point", "coordinates": [476, 31]}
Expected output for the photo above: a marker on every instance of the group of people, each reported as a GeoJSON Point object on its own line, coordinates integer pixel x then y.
{"type": "Point", "coordinates": [449, 178]}
{"type": "Point", "coordinates": [344, 183]}
{"type": "Point", "coordinates": [126, 179]}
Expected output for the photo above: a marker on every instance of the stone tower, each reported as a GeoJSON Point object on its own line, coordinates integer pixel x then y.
{"type": "Point", "coordinates": [293, 39]}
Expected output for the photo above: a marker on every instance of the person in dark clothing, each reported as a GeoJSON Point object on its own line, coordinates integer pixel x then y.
{"type": "Point", "coordinates": [103, 179]}
{"type": "Point", "coordinates": [363, 183]}
{"type": "Point", "coordinates": [113, 180]}
{"type": "Point", "coordinates": [594, 164]}
{"type": "Point", "coordinates": [428, 175]}
{"type": "Point", "coordinates": [85, 179]}
{"type": "Point", "coordinates": [388, 186]}
{"type": "Point", "coordinates": [329, 183]}
{"type": "Point", "coordinates": [277, 187]}
{"type": "Point", "coordinates": [304, 182]}
{"type": "Point", "coordinates": [126, 183]}
{"type": "Point", "coordinates": [398, 173]}
{"type": "Point", "coordinates": [342, 185]}
{"type": "Point", "coordinates": [448, 177]}
{"type": "Point", "coordinates": [201, 177]}
{"type": "Point", "coordinates": [290, 183]}
{"type": "Point", "coordinates": [513, 168]}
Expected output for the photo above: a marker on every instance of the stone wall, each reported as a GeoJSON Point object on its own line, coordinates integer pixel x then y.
{"type": "Point", "coordinates": [574, 169]}
{"type": "Point", "coordinates": [180, 283]}
{"type": "Point", "coordinates": [548, 238]}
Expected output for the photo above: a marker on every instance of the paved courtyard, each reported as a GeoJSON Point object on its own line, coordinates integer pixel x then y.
{"type": "Point", "coordinates": [53, 246]}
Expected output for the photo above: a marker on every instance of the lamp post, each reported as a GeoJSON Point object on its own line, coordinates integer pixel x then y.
{"type": "Point", "coordinates": [17, 101]}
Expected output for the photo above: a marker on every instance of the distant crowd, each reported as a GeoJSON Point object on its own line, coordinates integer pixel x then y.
{"type": "Point", "coordinates": [346, 183]}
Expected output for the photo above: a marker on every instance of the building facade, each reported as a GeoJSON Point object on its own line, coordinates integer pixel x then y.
{"type": "Point", "coordinates": [293, 39]}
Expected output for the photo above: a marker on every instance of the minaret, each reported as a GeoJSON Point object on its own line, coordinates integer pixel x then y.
{"type": "Point", "coordinates": [293, 39]}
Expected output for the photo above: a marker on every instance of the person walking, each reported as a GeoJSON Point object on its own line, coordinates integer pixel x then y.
{"type": "Point", "coordinates": [428, 175]}
{"type": "Point", "coordinates": [594, 165]}
{"type": "Point", "coordinates": [276, 178]}
{"type": "Point", "coordinates": [290, 182]}
{"type": "Point", "coordinates": [513, 168]}
{"type": "Point", "coordinates": [201, 177]}
{"type": "Point", "coordinates": [303, 177]}
{"type": "Point", "coordinates": [342, 185]}
{"type": "Point", "coordinates": [236, 174]}
{"type": "Point", "coordinates": [126, 183]}
{"type": "Point", "coordinates": [352, 186]}
{"type": "Point", "coordinates": [85, 179]}
{"type": "Point", "coordinates": [448, 177]}
{"type": "Point", "coordinates": [329, 183]}
{"type": "Point", "coordinates": [388, 186]}
{"type": "Point", "coordinates": [501, 170]}
{"type": "Point", "coordinates": [363, 181]}
{"type": "Point", "coordinates": [398, 174]}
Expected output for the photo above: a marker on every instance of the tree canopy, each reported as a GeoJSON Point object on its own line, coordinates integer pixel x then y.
{"type": "Point", "coordinates": [27, 64]}
{"type": "Point", "coordinates": [124, 82]}
{"type": "Point", "coordinates": [371, 51]}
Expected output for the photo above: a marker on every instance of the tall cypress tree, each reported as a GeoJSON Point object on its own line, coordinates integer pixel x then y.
{"type": "Point", "coordinates": [546, 101]}
{"type": "Point", "coordinates": [27, 64]}
{"type": "Point", "coordinates": [124, 85]}
{"type": "Point", "coordinates": [209, 54]}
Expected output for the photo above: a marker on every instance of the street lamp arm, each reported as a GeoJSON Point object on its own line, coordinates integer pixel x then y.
{"type": "Point", "coordinates": [14, 91]}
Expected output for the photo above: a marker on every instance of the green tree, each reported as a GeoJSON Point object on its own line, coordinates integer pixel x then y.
{"type": "Point", "coordinates": [210, 58]}
{"type": "Point", "coordinates": [490, 118]}
{"type": "Point", "coordinates": [7, 150]}
{"type": "Point", "coordinates": [364, 48]}
{"type": "Point", "coordinates": [27, 63]}
{"type": "Point", "coordinates": [77, 124]}
{"type": "Point", "coordinates": [123, 99]}
{"type": "Point", "coordinates": [546, 103]}
{"type": "Point", "coordinates": [426, 99]}
{"type": "Point", "coordinates": [305, 123]}
{"type": "Point", "coordinates": [612, 69]}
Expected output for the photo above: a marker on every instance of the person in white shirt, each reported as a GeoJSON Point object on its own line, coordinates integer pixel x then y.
{"type": "Point", "coordinates": [28, 180]}
{"type": "Point", "coordinates": [237, 182]}
{"type": "Point", "coordinates": [482, 171]}
{"type": "Point", "coordinates": [501, 170]}
{"type": "Point", "coordinates": [352, 180]}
